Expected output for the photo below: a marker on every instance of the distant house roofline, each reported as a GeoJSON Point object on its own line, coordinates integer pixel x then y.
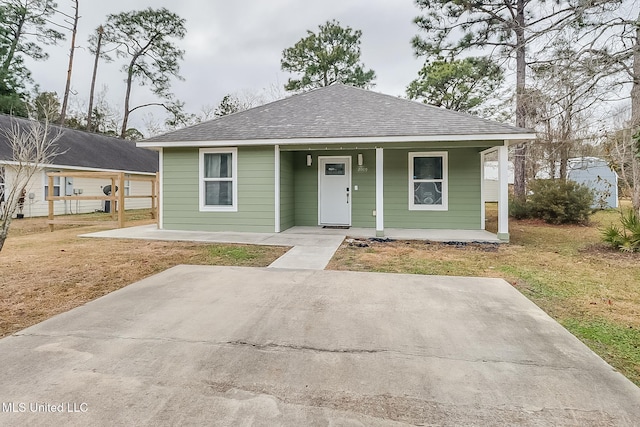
{"type": "Point", "coordinates": [81, 168]}
{"type": "Point", "coordinates": [86, 150]}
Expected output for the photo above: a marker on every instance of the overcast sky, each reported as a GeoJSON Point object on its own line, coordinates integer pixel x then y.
{"type": "Point", "coordinates": [236, 46]}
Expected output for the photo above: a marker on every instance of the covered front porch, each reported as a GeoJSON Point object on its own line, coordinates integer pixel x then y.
{"type": "Point", "coordinates": [379, 189]}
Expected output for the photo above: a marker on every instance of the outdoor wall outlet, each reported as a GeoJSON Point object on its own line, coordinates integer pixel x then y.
{"type": "Point", "coordinates": [374, 213]}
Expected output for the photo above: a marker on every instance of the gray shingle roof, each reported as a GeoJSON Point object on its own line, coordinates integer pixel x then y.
{"type": "Point", "coordinates": [90, 150]}
{"type": "Point", "coordinates": [338, 111]}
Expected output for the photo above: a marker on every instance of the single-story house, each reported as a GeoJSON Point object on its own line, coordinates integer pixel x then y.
{"type": "Point", "coordinates": [79, 152]}
{"type": "Point", "coordinates": [334, 156]}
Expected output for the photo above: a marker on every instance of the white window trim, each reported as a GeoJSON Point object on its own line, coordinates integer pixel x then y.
{"type": "Point", "coordinates": [45, 184]}
{"type": "Point", "coordinates": [127, 185]}
{"type": "Point", "coordinates": [234, 180]}
{"type": "Point", "coordinates": [445, 182]}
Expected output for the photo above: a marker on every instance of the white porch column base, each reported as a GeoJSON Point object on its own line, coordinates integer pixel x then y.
{"type": "Point", "coordinates": [379, 192]}
{"type": "Point", "coordinates": [503, 193]}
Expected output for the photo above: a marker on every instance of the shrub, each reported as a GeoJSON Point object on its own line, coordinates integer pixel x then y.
{"type": "Point", "coordinates": [556, 202]}
{"type": "Point", "coordinates": [627, 238]}
{"type": "Point", "coordinates": [519, 209]}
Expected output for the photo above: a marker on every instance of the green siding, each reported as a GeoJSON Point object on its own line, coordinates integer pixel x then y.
{"type": "Point", "coordinates": [306, 187]}
{"type": "Point", "coordinates": [299, 190]}
{"type": "Point", "coordinates": [256, 201]}
{"type": "Point", "coordinates": [464, 192]}
{"type": "Point", "coordinates": [364, 198]}
{"type": "Point", "coordinates": [287, 195]}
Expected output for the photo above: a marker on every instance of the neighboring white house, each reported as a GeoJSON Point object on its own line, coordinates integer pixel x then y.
{"type": "Point", "coordinates": [80, 152]}
{"type": "Point", "coordinates": [490, 184]}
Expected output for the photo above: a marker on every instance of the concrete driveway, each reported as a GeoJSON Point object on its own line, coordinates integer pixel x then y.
{"type": "Point", "coordinates": [249, 346]}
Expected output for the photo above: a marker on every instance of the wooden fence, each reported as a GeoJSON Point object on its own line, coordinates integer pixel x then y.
{"type": "Point", "coordinates": [117, 198]}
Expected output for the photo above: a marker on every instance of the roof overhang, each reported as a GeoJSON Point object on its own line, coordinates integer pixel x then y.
{"type": "Point", "coordinates": [78, 168]}
{"type": "Point", "coordinates": [507, 137]}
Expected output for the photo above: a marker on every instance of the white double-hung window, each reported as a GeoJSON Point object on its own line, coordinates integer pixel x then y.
{"type": "Point", "coordinates": [219, 180]}
{"type": "Point", "coordinates": [56, 186]}
{"type": "Point", "coordinates": [428, 181]}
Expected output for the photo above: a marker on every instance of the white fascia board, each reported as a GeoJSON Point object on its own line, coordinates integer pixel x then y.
{"type": "Point", "coordinates": [80, 168]}
{"type": "Point", "coordinates": [350, 140]}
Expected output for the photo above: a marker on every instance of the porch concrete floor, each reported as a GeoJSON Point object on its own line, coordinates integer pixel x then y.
{"type": "Point", "coordinates": [403, 234]}
{"type": "Point", "coordinates": [296, 236]}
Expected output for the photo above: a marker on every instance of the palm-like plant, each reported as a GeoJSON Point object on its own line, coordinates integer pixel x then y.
{"type": "Point", "coordinates": [627, 236]}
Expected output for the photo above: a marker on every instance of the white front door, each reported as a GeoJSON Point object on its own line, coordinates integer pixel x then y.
{"type": "Point", "coordinates": [334, 190]}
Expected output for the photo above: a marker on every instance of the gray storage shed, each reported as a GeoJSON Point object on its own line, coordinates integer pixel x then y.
{"type": "Point", "coordinates": [596, 174]}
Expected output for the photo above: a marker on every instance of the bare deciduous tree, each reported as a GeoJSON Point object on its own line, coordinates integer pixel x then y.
{"type": "Point", "coordinates": [32, 144]}
{"type": "Point", "coordinates": [622, 151]}
{"type": "Point", "coordinates": [563, 98]}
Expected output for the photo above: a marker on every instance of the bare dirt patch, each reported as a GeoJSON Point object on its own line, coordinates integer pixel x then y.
{"type": "Point", "coordinates": [45, 273]}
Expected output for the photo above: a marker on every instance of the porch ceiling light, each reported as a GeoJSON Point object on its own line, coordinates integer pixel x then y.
{"type": "Point", "coordinates": [309, 160]}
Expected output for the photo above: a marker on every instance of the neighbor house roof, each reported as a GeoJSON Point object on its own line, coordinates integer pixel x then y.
{"type": "Point", "coordinates": [340, 112]}
{"type": "Point", "coordinates": [87, 150]}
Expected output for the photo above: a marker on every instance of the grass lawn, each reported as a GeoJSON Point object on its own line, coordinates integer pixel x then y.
{"type": "Point", "coordinates": [591, 290]}
{"type": "Point", "coordinates": [44, 273]}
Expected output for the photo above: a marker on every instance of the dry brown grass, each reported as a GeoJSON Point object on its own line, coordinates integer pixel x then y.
{"type": "Point", "coordinates": [45, 273]}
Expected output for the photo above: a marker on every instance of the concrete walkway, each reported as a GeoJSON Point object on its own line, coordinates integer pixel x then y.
{"type": "Point", "coordinates": [309, 251]}
{"type": "Point", "coordinates": [312, 247]}
{"type": "Point", "coordinates": [230, 346]}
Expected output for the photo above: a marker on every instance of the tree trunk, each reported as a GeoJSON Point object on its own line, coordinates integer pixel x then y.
{"type": "Point", "coordinates": [520, 150]}
{"type": "Point", "coordinates": [14, 45]}
{"type": "Point", "coordinates": [635, 122]}
{"type": "Point", "coordinates": [67, 89]}
{"type": "Point", "coordinates": [100, 32]}
{"type": "Point", "coordinates": [125, 119]}
{"type": "Point", "coordinates": [4, 231]}
{"type": "Point", "coordinates": [635, 89]}
{"type": "Point", "coordinates": [567, 137]}
{"type": "Point", "coordinates": [564, 160]}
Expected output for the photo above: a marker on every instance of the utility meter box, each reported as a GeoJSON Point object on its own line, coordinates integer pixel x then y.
{"type": "Point", "coordinates": [68, 186]}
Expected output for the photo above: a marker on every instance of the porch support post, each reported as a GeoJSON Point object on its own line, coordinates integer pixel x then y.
{"type": "Point", "coordinates": [160, 201]}
{"type": "Point", "coordinates": [503, 193]}
{"type": "Point", "coordinates": [379, 192]}
{"type": "Point", "coordinates": [277, 188]}
{"type": "Point", "coordinates": [483, 208]}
